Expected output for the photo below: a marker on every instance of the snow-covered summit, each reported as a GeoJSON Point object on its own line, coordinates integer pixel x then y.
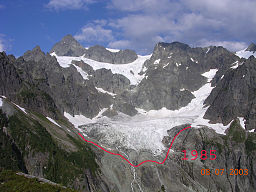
{"type": "Point", "coordinates": [246, 53]}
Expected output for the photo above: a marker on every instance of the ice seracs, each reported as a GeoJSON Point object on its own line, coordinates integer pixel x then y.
{"type": "Point", "coordinates": [146, 130]}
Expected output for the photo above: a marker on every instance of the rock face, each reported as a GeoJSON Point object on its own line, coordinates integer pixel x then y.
{"type": "Point", "coordinates": [233, 151]}
{"type": "Point", "coordinates": [40, 81]}
{"type": "Point", "coordinates": [66, 86]}
{"type": "Point", "coordinates": [34, 145]}
{"type": "Point", "coordinates": [101, 54]}
{"type": "Point", "coordinates": [234, 95]}
{"type": "Point", "coordinates": [8, 76]}
{"type": "Point", "coordinates": [252, 47]}
{"type": "Point", "coordinates": [174, 71]}
{"type": "Point", "coordinates": [17, 85]}
{"type": "Point", "coordinates": [68, 46]}
{"type": "Point", "coordinates": [105, 79]}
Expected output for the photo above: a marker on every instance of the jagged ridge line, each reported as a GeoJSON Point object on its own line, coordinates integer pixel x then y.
{"type": "Point", "coordinates": [127, 159]}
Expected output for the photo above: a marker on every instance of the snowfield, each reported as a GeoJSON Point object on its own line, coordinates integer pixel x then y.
{"type": "Point", "coordinates": [130, 70]}
{"type": "Point", "coordinates": [245, 54]}
{"type": "Point", "coordinates": [146, 130]}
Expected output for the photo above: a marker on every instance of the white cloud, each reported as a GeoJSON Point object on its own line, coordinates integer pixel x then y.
{"type": "Point", "coordinates": [94, 33]}
{"type": "Point", "coordinates": [221, 22]}
{"type": "Point", "coordinates": [68, 4]}
{"type": "Point", "coordinates": [230, 45]}
{"type": "Point", "coordinates": [142, 5]}
{"type": "Point", "coordinates": [120, 44]}
{"type": "Point", "coordinates": [143, 23]}
{"type": "Point", "coordinates": [2, 46]}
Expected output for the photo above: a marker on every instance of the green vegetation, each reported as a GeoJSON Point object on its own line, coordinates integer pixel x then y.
{"type": "Point", "coordinates": [28, 132]}
{"type": "Point", "coordinates": [32, 94]}
{"type": "Point", "coordinates": [162, 189]}
{"type": "Point", "coordinates": [10, 156]}
{"type": "Point", "coordinates": [31, 137]}
{"type": "Point", "coordinates": [236, 132]}
{"type": "Point", "coordinates": [250, 143]}
{"type": "Point", "coordinates": [27, 94]}
{"type": "Point", "coordinates": [40, 116]}
{"type": "Point", "coordinates": [215, 144]}
{"type": "Point", "coordinates": [10, 181]}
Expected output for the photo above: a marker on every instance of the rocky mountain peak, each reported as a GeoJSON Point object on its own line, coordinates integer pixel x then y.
{"type": "Point", "coordinates": [162, 48]}
{"type": "Point", "coordinates": [37, 49]}
{"type": "Point", "coordinates": [252, 47]}
{"type": "Point", "coordinates": [68, 46]}
{"type": "Point", "coordinates": [68, 38]}
{"type": "Point", "coordinates": [173, 45]}
{"type": "Point", "coordinates": [98, 47]}
{"type": "Point", "coordinates": [36, 54]}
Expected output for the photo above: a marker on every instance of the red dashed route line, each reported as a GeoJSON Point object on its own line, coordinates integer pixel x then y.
{"type": "Point", "coordinates": [146, 161]}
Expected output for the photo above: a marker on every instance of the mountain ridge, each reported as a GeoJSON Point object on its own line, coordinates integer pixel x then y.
{"type": "Point", "coordinates": [48, 98]}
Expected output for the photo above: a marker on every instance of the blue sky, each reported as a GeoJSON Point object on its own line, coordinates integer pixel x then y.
{"type": "Point", "coordinates": [134, 24]}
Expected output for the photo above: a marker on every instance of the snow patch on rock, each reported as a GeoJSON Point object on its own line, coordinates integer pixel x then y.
{"type": "Point", "coordinates": [123, 69]}
{"type": "Point", "coordinates": [113, 50]}
{"type": "Point", "coordinates": [165, 65]}
{"type": "Point", "coordinates": [242, 120]}
{"type": "Point", "coordinates": [53, 121]}
{"type": "Point", "coordinates": [21, 108]}
{"type": "Point", "coordinates": [157, 61]}
{"type": "Point", "coordinates": [103, 91]}
{"type": "Point", "coordinates": [83, 73]}
{"type": "Point", "coordinates": [146, 130]}
{"type": "Point", "coordinates": [235, 65]}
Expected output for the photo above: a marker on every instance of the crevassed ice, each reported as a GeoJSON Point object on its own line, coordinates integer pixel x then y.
{"type": "Point", "coordinates": [147, 129]}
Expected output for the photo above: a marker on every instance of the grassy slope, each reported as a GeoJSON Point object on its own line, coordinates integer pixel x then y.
{"type": "Point", "coordinates": [62, 167]}
{"type": "Point", "coordinates": [10, 181]}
